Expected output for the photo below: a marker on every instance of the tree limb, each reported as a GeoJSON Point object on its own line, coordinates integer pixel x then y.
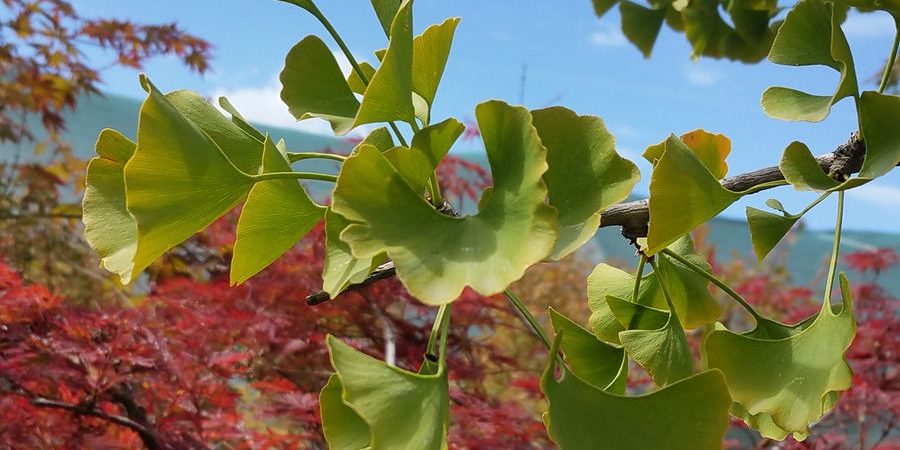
{"type": "Point", "coordinates": [634, 216]}
{"type": "Point", "coordinates": [146, 435]}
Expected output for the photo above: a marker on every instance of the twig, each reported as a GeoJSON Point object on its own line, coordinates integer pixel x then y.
{"type": "Point", "coordinates": [634, 216]}
{"type": "Point", "coordinates": [146, 435]}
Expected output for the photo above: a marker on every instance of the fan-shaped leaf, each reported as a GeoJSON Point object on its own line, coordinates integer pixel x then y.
{"type": "Point", "coordinates": [780, 385]}
{"type": "Point", "coordinates": [108, 226]}
{"type": "Point", "coordinates": [239, 120]}
{"type": "Point", "coordinates": [513, 230]}
{"type": "Point", "coordinates": [683, 195]}
{"type": "Point", "coordinates": [178, 181]}
{"type": "Point", "coordinates": [341, 425]}
{"type": "Point", "coordinates": [429, 57]}
{"type": "Point", "coordinates": [767, 229]}
{"type": "Point", "coordinates": [276, 215]}
{"type": "Point", "coordinates": [585, 173]}
{"type": "Point", "coordinates": [692, 413]}
{"type": "Point", "coordinates": [879, 115]}
{"type": "Point", "coordinates": [641, 25]}
{"type": "Point", "coordinates": [594, 361]}
{"type": "Point", "coordinates": [386, 10]}
{"type": "Point", "coordinates": [663, 352]}
{"type": "Point", "coordinates": [402, 409]}
{"type": "Point", "coordinates": [811, 35]}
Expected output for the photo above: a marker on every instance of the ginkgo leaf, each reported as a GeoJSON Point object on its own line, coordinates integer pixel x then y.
{"type": "Point", "coordinates": [694, 305]}
{"type": "Point", "coordinates": [313, 86]}
{"type": "Point", "coordinates": [276, 215]}
{"type": "Point", "coordinates": [239, 120]}
{"type": "Point", "coordinates": [683, 195]}
{"type": "Point", "coordinates": [513, 229]}
{"type": "Point", "coordinates": [635, 316]}
{"type": "Point", "coordinates": [386, 10]}
{"type": "Point", "coordinates": [428, 148]}
{"type": "Point", "coordinates": [305, 4]}
{"type": "Point", "coordinates": [641, 25]}
{"type": "Point", "coordinates": [802, 171]}
{"type": "Point", "coordinates": [586, 175]}
{"type": "Point", "coordinates": [689, 414]}
{"type": "Point", "coordinates": [178, 181]}
{"type": "Point", "coordinates": [767, 229]}
{"type": "Point", "coordinates": [341, 425]}
{"type": "Point", "coordinates": [594, 361]}
{"type": "Point", "coordinates": [810, 35]}
{"type": "Point", "coordinates": [356, 83]}
{"type": "Point", "coordinates": [403, 410]}
{"type": "Point", "coordinates": [389, 93]}
{"type": "Point", "coordinates": [663, 352]}
{"type": "Point", "coordinates": [711, 148]}
{"type": "Point", "coordinates": [341, 268]}
{"type": "Point", "coordinates": [108, 226]}
{"type": "Point", "coordinates": [879, 115]}
{"type": "Point", "coordinates": [783, 384]}
{"type": "Point", "coordinates": [429, 58]}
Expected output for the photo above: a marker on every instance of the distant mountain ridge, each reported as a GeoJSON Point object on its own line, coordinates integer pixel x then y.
{"type": "Point", "coordinates": [806, 251]}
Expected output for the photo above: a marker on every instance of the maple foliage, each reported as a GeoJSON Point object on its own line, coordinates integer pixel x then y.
{"type": "Point", "coordinates": [45, 69]}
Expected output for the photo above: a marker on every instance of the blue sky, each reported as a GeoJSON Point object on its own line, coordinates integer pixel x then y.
{"type": "Point", "coordinates": [572, 59]}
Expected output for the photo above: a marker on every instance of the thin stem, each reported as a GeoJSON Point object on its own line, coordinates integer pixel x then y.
{"type": "Point", "coordinates": [662, 284]}
{"type": "Point", "coordinates": [356, 67]}
{"type": "Point", "coordinates": [637, 277]}
{"type": "Point", "coordinates": [814, 203]}
{"type": "Point", "coordinates": [835, 250]}
{"type": "Point", "coordinates": [714, 280]}
{"type": "Point", "coordinates": [435, 328]}
{"type": "Point", "coordinates": [295, 176]}
{"type": "Point", "coordinates": [889, 67]}
{"type": "Point", "coordinates": [436, 198]}
{"type": "Point", "coordinates": [300, 156]}
{"type": "Point", "coordinates": [529, 319]}
{"type": "Point", "coordinates": [445, 332]}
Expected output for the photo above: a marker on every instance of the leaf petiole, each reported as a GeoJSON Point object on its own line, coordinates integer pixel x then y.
{"type": "Point", "coordinates": [528, 318]}
{"type": "Point", "coordinates": [637, 278]}
{"type": "Point", "coordinates": [714, 280]}
{"type": "Point", "coordinates": [835, 250]}
{"type": "Point", "coordinates": [300, 156]}
{"type": "Point", "coordinates": [295, 176]}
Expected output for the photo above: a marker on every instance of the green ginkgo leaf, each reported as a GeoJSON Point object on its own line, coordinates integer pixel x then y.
{"type": "Point", "coordinates": [305, 4]}
{"type": "Point", "coordinates": [239, 120]}
{"type": "Point", "coordinates": [389, 93]}
{"type": "Point", "coordinates": [429, 58]}
{"type": "Point", "coordinates": [663, 352]}
{"type": "Point", "coordinates": [635, 316]}
{"type": "Point", "coordinates": [810, 35]}
{"type": "Point", "coordinates": [694, 304]}
{"type": "Point", "coordinates": [179, 180]}
{"type": "Point", "coordinates": [585, 176]}
{"type": "Point", "coordinates": [341, 425]}
{"type": "Point", "coordinates": [879, 115]}
{"type": "Point", "coordinates": [513, 229]}
{"type": "Point", "coordinates": [802, 171]}
{"type": "Point", "coordinates": [341, 268]}
{"type": "Point", "coordinates": [689, 414]}
{"type": "Point", "coordinates": [108, 226]}
{"type": "Point", "coordinates": [594, 361]}
{"type": "Point", "coordinates": [767, 229]}
{"type": "Point", "coordinates": [641, 25]}
{"type": "Point", "coordinates": [386, 10]}
{"type": "Point", "coordinates": [428, 148]}
{"type": "Point", "coordinates": [276, 215]}
{"type": "Point", "coordinates": [356, 83]}
{"type": "Point", "coordinates": [780, 385]}
{"type": "Point", "coordinates": [313, 86]}
{"type": "Point", "coordinates": [683, 195]}
{"type": "Point", "coordinates": [711, 148]}
{"type": "Point", "coordinates": [403, 410]}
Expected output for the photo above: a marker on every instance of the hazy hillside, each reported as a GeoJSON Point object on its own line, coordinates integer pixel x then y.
{"type": "Point", "coordinates": [807, 251]}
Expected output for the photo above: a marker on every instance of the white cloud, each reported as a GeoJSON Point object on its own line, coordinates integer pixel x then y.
{"type": "Point", "coordinates": [870, 25]}
{"type": "Point", "coordinates": [887, 196]}
{"type": "Point", "coordinates": [700, 74]}
{"type": "Point", "coordinates": [608, 36]}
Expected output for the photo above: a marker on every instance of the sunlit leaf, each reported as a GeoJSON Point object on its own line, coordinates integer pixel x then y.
{"type": "Point", "coordinates": [428, 148]}
{"type": "Point", "coordinates": [276, 215]}
{"type": "Point", "coordinates": [594, 361]}
{"type": "Point", "coordinates": [585, 173]}
{"type": "Point", "coordinates": [711, 148]}
{"type": "Point", "coordinates": [313, 86]}
{"type": "Point", "coordinates": [430, 52]}
{"type": "Point", "coordinates": [341, 425]}
{"type": "Point", "coordinates": [781, 385]}
{"type": "Point", "coordinates": [389, 93]}
{"type": "Point", "coordinates": [811, 35]}
{"type": "Point", "coordinates": [689, 414]}
{"type": "Point", "coordinates": [513, 230]}
{"type": "Point", "coordinates": [404, 410]}
{"type": "Point", "coordinates": [386, 10]}
{"type": "Point", "coordinates": [663, 352]}
{"type": "Point", "coordinates": [239, 120]}
{"type": "Point", "coordinates": [356, 82]}
{"type": "Point", "coordinates": [108, 226]}
{"type": "Point", "coordinates": [879, 115]}
{"type": "Point", "coordinates": [178, 181]}
{"type": "Point", "coordinates": [767, 229]}
{"type": "Point", "coordinates": [801, 169]}
{"type": "Point", "coordinates": [683, 195]}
